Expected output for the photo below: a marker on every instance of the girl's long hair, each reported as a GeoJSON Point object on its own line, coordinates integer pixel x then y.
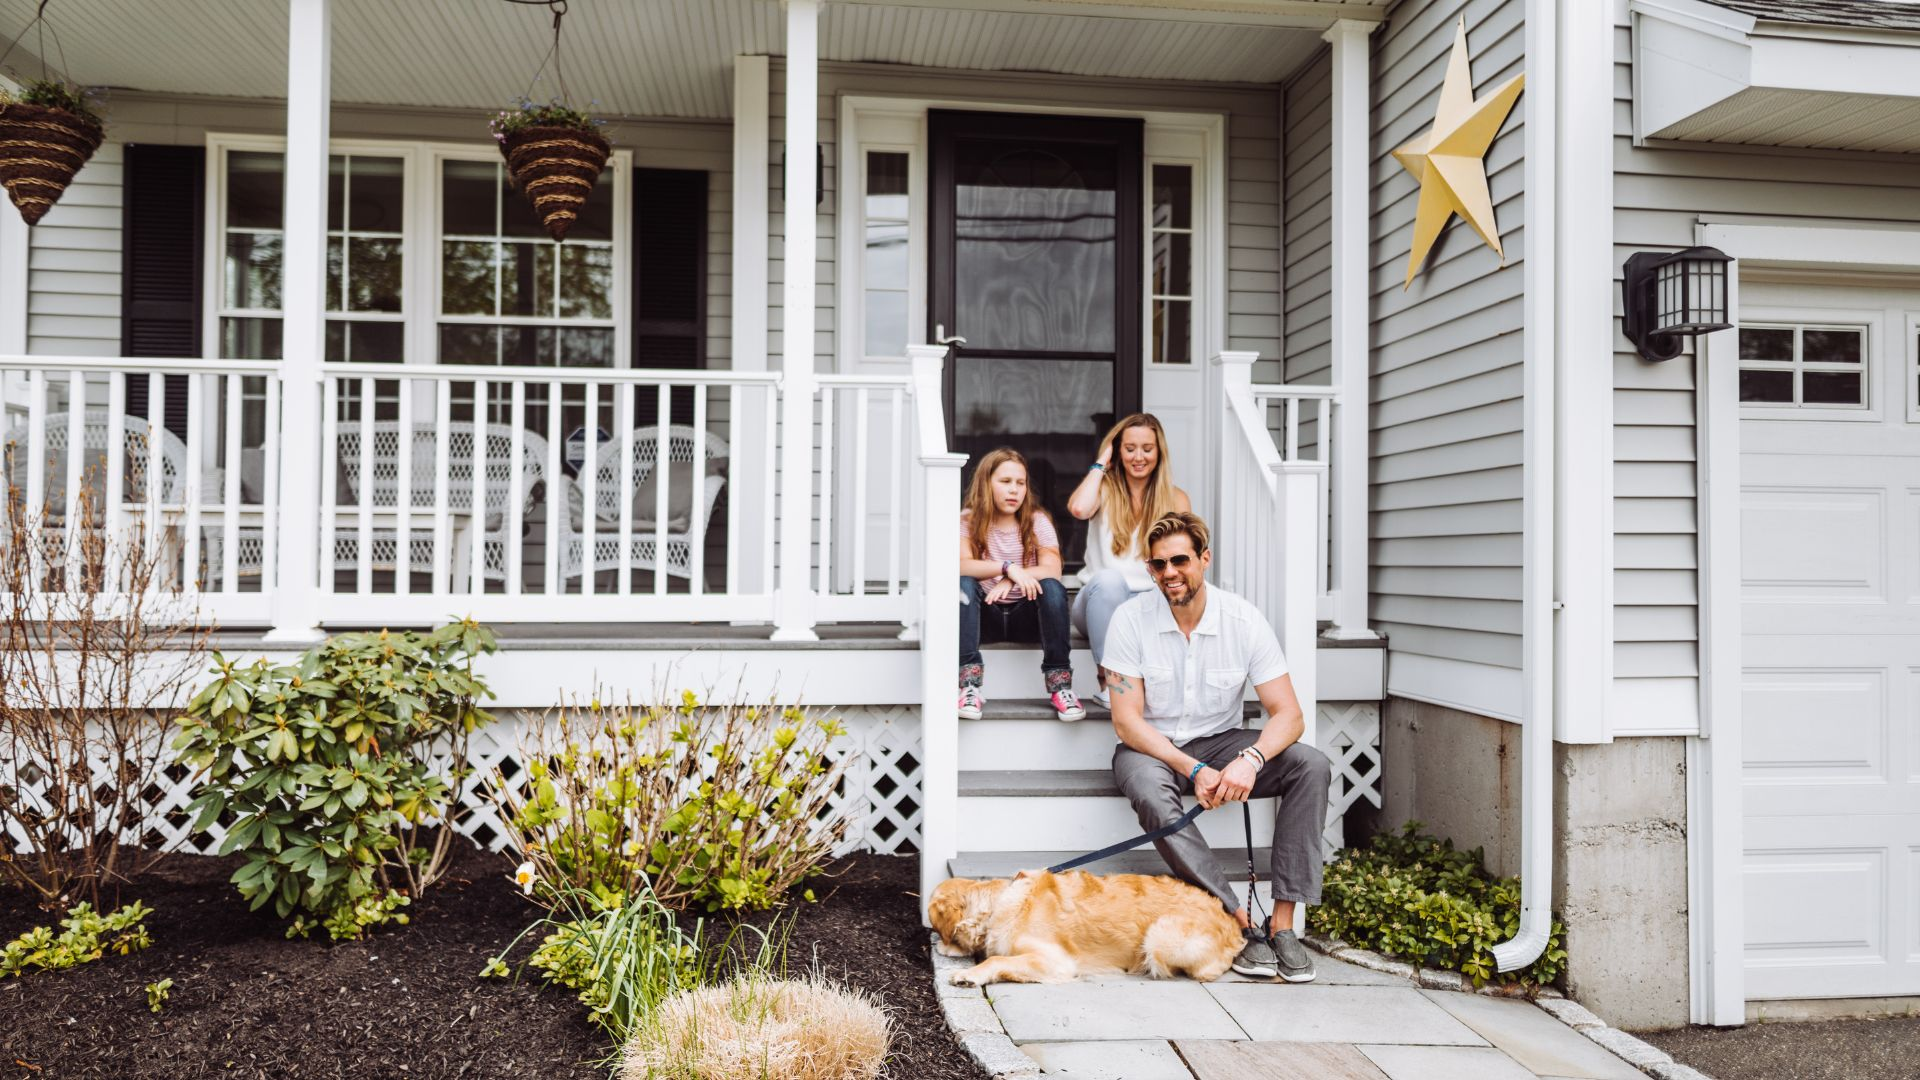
{"type": "Point", "coordinates": [1116, 502]}
{"type": "Point", "coordinates": [981, 511]}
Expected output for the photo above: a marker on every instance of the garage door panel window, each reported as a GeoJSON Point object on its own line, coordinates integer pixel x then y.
{"type": "Point", "coordinates": [1805, 366]}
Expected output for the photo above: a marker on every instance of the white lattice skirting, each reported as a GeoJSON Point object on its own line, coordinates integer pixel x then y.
{"type": "Point", "coordinates": [1350, 735]}
{"type": "Point", "coordinates": [880, 792]}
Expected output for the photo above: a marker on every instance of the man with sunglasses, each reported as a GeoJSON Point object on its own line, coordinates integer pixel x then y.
{"type": "Point", "coordinates": [1179, 660]}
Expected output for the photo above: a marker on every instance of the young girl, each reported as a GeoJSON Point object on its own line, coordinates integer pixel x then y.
{"type": "Point", "coordinates": [1121, 500]}
{"type": "Point", "coordinates": [1010, 586]}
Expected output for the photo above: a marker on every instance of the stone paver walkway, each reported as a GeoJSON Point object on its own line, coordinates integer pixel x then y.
{"type": "Point", "coordinates": [1349, 1024]}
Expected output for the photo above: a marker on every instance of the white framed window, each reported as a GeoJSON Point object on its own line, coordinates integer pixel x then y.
{"type": "Point", "coordinates": [1911, 376]}
{"type": "Point", "coordinates": [1170, 262]}
{"type": "Point", "coordinates": [431, 258]}
{"type": "Point", "coordinates": [882, 257]}
{"type": "Point", "coordinates": [886, 234]}
{"type": "Point", "coordinates": [1807, 365]}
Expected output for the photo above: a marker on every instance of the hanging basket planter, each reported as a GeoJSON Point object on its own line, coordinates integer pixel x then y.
{"type": "Point", "coordinates": [556, 168]}
{"type": "Point", "coordinates": [41, 149]}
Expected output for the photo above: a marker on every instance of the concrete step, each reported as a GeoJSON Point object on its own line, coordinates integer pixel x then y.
{"type": "Point", "coordinates": [1142, 860]}
{"type": "Point", "coordinates": [1036, 783]}
{"type": "Point", "coordinates": [1039, 819]}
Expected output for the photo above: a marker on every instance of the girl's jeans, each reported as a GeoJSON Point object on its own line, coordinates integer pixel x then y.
{"type": "Point", "coordinates": [1100, 596]}
{"type": "Point", "coordinates": [1043, 619]}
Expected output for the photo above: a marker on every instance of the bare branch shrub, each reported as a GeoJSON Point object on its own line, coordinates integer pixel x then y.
{"type": "Point", "coordinates": [97, 640]}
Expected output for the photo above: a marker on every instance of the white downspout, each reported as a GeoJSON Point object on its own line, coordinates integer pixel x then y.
{"type": "Point", "coordinates": [1537, 601]}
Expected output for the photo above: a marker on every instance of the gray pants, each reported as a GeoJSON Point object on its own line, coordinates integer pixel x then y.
{"type": "Point", "coordinates": [1093, 606]}
{"type": "Point", "coordinates": [1299, 776]}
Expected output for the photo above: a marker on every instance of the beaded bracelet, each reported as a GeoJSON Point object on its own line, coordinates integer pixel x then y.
{"type": "Point", "coordinates": [1195, 771]}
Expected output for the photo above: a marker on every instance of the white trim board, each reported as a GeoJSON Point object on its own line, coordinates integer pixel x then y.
{"type": "Point", "coordinates": [1482, 689]}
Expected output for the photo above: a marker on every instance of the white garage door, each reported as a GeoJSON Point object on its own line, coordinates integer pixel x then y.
{"type": "Point", "coordinates": [1830, 603]}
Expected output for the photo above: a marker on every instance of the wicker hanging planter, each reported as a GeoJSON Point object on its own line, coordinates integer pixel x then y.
{"type": "Point", "coordinates": [556, 168]}
{"type": "Point", "coordinates": [41, 148]}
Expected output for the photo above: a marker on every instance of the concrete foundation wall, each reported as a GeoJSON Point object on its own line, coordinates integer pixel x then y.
{"type": "Point", "coordinates": [1620, 844]}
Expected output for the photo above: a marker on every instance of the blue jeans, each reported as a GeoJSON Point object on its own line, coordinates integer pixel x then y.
{"type": "Point", "coordinates": [1100, 596]}
{"type": "Point", "coordinates": [1043, 619]}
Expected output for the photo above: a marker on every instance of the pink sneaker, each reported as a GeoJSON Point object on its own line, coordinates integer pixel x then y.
{"type": "Point", "coordinates": [1067, 706]}
{"type": "Point", "coordinates": [972, 701]}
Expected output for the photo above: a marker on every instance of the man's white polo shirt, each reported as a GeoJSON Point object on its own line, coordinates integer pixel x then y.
{"type": "Point", "coordinates": [1194, 687]}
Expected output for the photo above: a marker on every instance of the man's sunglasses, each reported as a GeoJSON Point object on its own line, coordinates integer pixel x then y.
{"type": "Point", "coordinates": [1178, 562]}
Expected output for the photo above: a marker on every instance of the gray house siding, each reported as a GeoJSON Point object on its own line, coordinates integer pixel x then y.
{"type": "Point", "coordinates": [1659, 196]}
{"type": "Point", "coordinates": [1446, 380]}
{"type": "Point", "coordinates": [1253, 187]}
{"type": "Point", "coordinates": [1308, 161]}
{"type": "Point", "coordinates": [73, 265]}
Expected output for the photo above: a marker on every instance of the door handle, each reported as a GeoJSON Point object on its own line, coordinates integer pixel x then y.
{"type": "Point", "coordinates": [940, 336]}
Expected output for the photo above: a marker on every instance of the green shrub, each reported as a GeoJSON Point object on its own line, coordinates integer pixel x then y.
{"type": "Point", "coordinates": [157, 994]}
{"type": "Point", "coordinates": [721, 806]}
{"type": "Point", "coordinates": [322, 767]}
{"type": "Point", "coordinates": [1417, 898]}
{"type": "Point", "coordinates": [88, 935]}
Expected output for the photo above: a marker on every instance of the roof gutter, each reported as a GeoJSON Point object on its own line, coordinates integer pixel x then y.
{"type": "Point", "coordinates": [1537, 600]}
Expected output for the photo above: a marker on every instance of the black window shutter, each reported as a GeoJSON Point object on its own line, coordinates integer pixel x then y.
{"type": "Point", "coordinates": [162, 205]}
{"type": "Point", "coordinates": [669, 278]}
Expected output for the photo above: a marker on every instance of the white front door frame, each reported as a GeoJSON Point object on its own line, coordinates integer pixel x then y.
{"type": "Point", "coordinates": [1174, 128]}
{"type": "Point", "coordinates": [1715, 832]}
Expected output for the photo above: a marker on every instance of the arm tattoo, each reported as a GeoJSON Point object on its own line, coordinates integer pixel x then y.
{"type": "Point", "coordinates": [1120, 683]}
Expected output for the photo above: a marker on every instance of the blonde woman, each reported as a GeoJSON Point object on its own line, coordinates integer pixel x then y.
{"type": "Point", "coordinates": [1127, 489]}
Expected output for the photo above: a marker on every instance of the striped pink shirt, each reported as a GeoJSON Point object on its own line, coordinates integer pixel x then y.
{"type": "Point", "coordinates": [1003, 545]}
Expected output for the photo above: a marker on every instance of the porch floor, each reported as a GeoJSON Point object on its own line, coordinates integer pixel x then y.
{"type": "Point", "coordinates": [1349, 1024]}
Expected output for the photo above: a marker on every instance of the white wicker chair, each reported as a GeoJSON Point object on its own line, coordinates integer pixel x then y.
{"type": "Point", "coordinates": [682, 440]}
{"type": "Point", "coordinates": [496, 457]}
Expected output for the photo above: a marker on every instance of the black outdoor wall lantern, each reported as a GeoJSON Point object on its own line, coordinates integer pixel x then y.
{"type": "Point", "coordinates": [1673, 296]}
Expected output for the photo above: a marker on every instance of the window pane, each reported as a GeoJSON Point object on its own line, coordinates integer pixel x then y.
{"type": "Point", "coordinates": [1173, 196]}
{"type": "Point", "coordinates": [378, 194]}
{"type": "Point", "coordinates": [1172, 264]}
{"type": "Point", "coordinates": [336, 190]}
{"type": "Point", "coordinates": [886, 323]}
{"type": "Point", "coordinates": [335, 252]}
{"type": "Point", "coordinates": [527, 345]}
{"type": "Point", "coordinates": [253, 270]}
{"type": "Point", "coordinates": [468, 190]}
{"type": "Point", "coordinates": [596, 218]}
{"type": "Point", "coordinates": [526, 279]}
{"type": "Point", "coordinates": [886, 185]}
{"type": "Point", "coordinates": [586, 347]}
{"type": "Point", "coordinates": [1830, 387]}
{"type": "Point", "coordinates": [463, 344]}
{"type": "Point", "coordinates": [1766, 343]}
{"type": "Point", "coordinates": [374, 264]}
{"type": "Point", "coordinates": [366, 342]}
{"type": "Point", "coordinates": [1172, 332]}
{"type": "Point", "coordinates": [586, 281]}
{"type": "Point", "coordinates": [1770, 387]}
{"type": "Point", "coordinates": [1830, 346]}
{"type": "Point", "coordinates": [466, 278]}
{"type": "Point", "coordinates": [250, 339]}
{"type": "Point", "coordinates": [886, 261]}
{"type": "Point", "coordinates": [255, 190]}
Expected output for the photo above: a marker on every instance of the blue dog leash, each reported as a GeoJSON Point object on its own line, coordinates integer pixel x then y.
{"type": "Point", "coordinates": [1175, 826]}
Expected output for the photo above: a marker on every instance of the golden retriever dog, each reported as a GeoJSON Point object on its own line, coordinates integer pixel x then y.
{"type": "Point", "coordinates": [1042, 927]}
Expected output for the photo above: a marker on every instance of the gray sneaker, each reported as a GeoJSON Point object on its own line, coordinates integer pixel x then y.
{"type": "Point", "coordinates": [1292, 960]}
{"type": "Point", "coordinates": [1256, 959]}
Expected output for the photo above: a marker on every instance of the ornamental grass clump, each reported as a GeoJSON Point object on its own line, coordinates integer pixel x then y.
{"type": "Point", "coordinates": [1416, 897]}
{"type": "Point", "coordinates": [711, 806]}
{"type": "Point", "coordinates": [757, 1026]}
{"type": "Point", "coordinates": [331, 773]}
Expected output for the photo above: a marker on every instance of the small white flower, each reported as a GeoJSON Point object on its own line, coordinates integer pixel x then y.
{"type": "Point", "coordinates": [523, 876]}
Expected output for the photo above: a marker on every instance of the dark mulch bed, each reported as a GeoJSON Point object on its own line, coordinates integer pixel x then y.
{"type": "Point", "coordinates": [406, 1001]}
{"type": "Point", "coordinates": [1802, 1050]}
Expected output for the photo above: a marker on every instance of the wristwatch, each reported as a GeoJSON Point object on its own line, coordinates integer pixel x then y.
{"type": "Point", "coordinates": [1005, 566]}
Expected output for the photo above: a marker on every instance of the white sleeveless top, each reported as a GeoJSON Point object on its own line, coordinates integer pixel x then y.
{"type": "Point", "coordinates": [1100, 556]}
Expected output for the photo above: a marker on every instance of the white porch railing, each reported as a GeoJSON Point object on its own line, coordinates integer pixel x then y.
{"type": "Point", "coordinates": [511, 494]}
{"type": "Point", "coordinates": [1269, 512]}
{"type": "Point", "coordinates": [1301, 421]}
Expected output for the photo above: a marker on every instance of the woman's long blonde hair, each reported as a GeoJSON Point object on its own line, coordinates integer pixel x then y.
{"type": "Point", "coordinates": [981, 512]}
{"type": "Point", "coordinates": [1116, 501]}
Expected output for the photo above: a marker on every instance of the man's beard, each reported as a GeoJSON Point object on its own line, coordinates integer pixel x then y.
{"type": "Point", "coordinates": [1187, 596]}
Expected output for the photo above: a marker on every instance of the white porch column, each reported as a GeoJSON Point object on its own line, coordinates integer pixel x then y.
{"type": "Point", "coordinates": [938, 544]}
{"type": "Point", "coordinates": [793, 599]}
{"type": "Point", "coordinates": [1352, 130]}
{"type": "Point", "coordinates": [295, 604]}
{"type": "Point", "coordinates": [751, 411]}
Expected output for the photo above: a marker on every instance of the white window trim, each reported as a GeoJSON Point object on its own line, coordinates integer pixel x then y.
{"type": "Point", "coordinates": [420, 296]}
{"type": "Point", "coordinates": [1910, 370]}
{"type": "Point", "coordinates": [1873, 354]}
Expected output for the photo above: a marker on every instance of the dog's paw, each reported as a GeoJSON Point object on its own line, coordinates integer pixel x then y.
{"type": "Point", "coordinates": [966, 977]}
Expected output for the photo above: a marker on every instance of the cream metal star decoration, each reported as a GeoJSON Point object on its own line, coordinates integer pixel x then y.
{"type": "Point", "coordinates": [1447, 160]}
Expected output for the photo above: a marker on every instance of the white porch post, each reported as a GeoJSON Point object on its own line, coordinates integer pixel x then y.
{"type": "Point", "coordinates": [1352, 126]}
{"type": "Point", "coordinates": [793, 600]}
{"type": "Point", "coordinates": [295, 604]}
{"type": "Point", "coordinates": [751, 412]}
{"type": "Point", "coordinates": [939, 545]}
